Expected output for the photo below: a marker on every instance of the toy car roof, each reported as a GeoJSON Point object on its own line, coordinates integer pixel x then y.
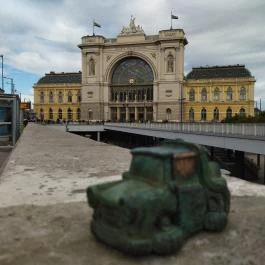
{"type": "Point", "coordinates": [176, 148]}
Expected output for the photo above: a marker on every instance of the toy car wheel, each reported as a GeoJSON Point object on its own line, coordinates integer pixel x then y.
{"type": "Point", "coordinates": [164, 222]}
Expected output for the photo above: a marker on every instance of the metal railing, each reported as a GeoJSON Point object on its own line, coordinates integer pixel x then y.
{"type": "Point", "coordinates": [235, 129]}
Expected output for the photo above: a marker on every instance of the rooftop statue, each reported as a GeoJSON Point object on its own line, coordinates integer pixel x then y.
{"type": "Point", "coordinates": [132, 29]}
{"type": "Point", "coordinates": [170, 192]}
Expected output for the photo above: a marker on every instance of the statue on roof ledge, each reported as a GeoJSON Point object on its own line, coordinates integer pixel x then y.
{"type": "Point", "coordinates": [132, 29]}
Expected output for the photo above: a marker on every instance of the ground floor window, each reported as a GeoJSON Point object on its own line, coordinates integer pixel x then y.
{"type": "Point", "coordinates": [203, 114]}
{"type": "Point", "coordinates": [229, 113]}
{"type": "Point", "coordinates": [216, 114]}
{"type": "Point", "coordinates": [50, 114]}
{"type": "Point", "coordinates": [69, 114]}
{"type": "Point", "coordinates": [191, 115]}
{"type": "Point", "coordinates": [78, 114]}
{"type": "Point", "coordinates": [242, 112]}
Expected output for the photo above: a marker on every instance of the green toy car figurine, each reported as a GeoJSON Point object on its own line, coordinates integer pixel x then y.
{"type": "Point", "coordinates": [170, 192]}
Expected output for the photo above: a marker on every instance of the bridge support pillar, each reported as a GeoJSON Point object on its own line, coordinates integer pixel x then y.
{"type": "Point", "coordinates": [240, 164]}
{"type": "Point", "coordinates": [264, 169]}
{"type": "Point", "coordinates": [258, 160]}
{"type": "Point", "coordinates": [212, 152]}
{"type": "Point", "coordinates": [118, 113]}
{"type": "Point", "coordinates": [98, 136]}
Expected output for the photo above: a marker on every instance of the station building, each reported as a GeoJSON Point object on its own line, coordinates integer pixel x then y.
{"type": "Point", "coordinates": [139, 77]}
{"type": "Point", "coordinates": [57, 96]}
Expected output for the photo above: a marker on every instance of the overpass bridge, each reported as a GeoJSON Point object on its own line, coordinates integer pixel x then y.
{"type": "Point", "coordinates": [241, 137]}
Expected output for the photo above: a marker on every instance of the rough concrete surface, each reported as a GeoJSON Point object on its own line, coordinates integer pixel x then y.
{"type": "Point", "coordinates": [44, 218]}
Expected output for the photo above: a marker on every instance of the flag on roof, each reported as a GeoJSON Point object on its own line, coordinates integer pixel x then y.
{"type": "Point", "coordinates": [95, 24]}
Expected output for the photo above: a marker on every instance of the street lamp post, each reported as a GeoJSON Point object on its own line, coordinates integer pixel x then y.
{"type": "Point", "coordinates": [181, 99]}
{"type": "Point", "coordinates": [2, 56]}
{"type": "Point", "coordinates": [12, 84]}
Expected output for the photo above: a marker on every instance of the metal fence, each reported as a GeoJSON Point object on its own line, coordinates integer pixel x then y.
{"type": "Point", "coordinates": [236, 129]}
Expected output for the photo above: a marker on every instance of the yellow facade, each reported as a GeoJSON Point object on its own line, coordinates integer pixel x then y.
{"type": "Point", "coordinates": [57, 96]}
{"type": "Point", "coordinates": [214, 99]}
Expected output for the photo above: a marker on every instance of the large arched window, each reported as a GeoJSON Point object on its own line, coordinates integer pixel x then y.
{"type": "Point", "coordinates": [216, 114]}
{"type": "Point", "coordinates": [204, 94]}
{"type": "Point", "coordinates": [203, 114]}
{"type": "Point", "coordinates": [132, 71]}
{"type": "Point", "coordinates": [229, 113]}
{"type": "Point", "coordinates": [192, 95]}
{"type": "Point", "coordinates": [191, 115]}
{"type": "Point", "coordinates": [242, 93]}
{"type": "Point", "coordinates": [216, 94]}
{"type": "Point", "coordinates": [229, 94]}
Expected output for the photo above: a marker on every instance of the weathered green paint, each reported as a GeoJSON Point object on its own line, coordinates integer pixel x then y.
{"type": "Point", "coordinates": [170, 192]}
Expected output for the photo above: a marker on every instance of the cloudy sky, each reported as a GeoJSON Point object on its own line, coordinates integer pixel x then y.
{"type": "Point", "coordinates": [39, 36]}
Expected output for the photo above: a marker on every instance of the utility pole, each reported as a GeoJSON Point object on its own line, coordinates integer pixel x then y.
{"type": "Point", "coordinates": [2, 56]}
{"type": "Point", "coordinates": [12, 84]}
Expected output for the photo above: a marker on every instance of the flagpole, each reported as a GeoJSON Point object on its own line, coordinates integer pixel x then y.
{"type": "Point", "coordinates": [171, 20]}
{"type": "Point", "coordinates": [93, 27]}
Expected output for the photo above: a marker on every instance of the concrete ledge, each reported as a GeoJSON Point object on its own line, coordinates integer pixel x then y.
{"type": "Point", "coordinates": [49, 166]}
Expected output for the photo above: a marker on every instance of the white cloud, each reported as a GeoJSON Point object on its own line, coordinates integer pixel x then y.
{"type": "Point", "coordinates": [42, 36]}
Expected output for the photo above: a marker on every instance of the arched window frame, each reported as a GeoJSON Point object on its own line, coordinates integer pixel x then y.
{"type": "Point", "coordinates": [242, 93]}
{"type": "Point", "coordinates": [204, 94]}
{"type": "Point", "coordinates": [216, 114]}
{"type": "Point", "coordinates": [70, 96]}
{"type": "Point", "coordinates": [78, 114]}
{"type": "Point", "coordinates": [216, 94]}
{"type": "Point", "coordinates": [42, 114]}
{"type": "Point", "coordinates": [242, 112]}
{"type": "Point", "coordinates": [192, 94]}
{"type": "Point", "coordinates": [69, 114]}
{"type": "Point", "coordinates": [168, 114]}
{"type": "Point", "coordinates": [229, 94]}
{"type": "Point", "coordinates": [229, 113]}
{"type": "Point", "coordinates": [50, 97]}
{"type": "Point", "coordinates": [60, 97]}
{"type": "Point", "coordinates": [78, 95]}
{"type": "Point", "coordinates": [191, 115]}
{"type": "Point", "coordinates": [42, 96]}
{"type": "Point", "coordinates": [50, 114]}
{"type": "Point", "coordinates": [90, 114]}
{"type": "Point", "coordinates": [60, 114]}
